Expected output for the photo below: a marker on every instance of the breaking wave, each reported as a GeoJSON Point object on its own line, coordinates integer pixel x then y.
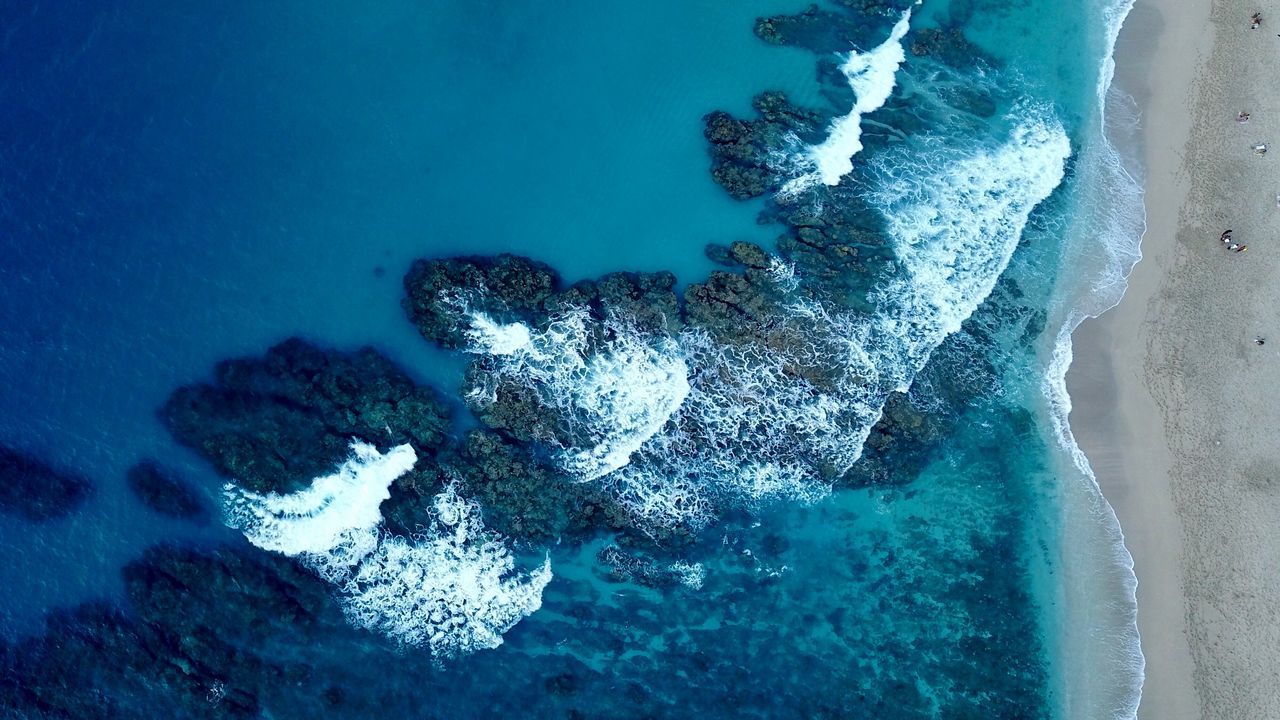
{"type": "Point", "coordinates": [956, 219]}
{"type": "Point", "coordinates": [613, 394]}
{"type": "Point", "coordinates": [678, 426]}
{"type": "Point", "coordinates": [453, 589]}
{"type": "Point", "coordinates": [871, 76]}
{"type": "Point", "coordinates": [1107, 668]}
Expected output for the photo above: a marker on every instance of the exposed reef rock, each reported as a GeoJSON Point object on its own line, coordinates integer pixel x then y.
{"type": "Point", "coordinates": [440, 293]}
{"type": "Point", "coordinates": [729, 303]}
{"type": "Point", "coordinates": [510, 285]}
{"type": "Point", "coordinates": [522, 497]}
{"type": "Point", "coordinates": [822, 31]}
{"type": "Point", "coordinates": [36, 491]}
{"type": "Point", "coordinates": [275, 423]}
{"type": "Point", "coordinates": [165, 493]}
{"type": "Point", "coordinates": [743, 152]}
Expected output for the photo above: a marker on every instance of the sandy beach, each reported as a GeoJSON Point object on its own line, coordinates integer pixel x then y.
{"type": "Point", "coordinates": [1174, 401]}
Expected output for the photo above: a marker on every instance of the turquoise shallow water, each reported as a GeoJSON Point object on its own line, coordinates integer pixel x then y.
{"type": "Point", "coordinates": [183, 186]}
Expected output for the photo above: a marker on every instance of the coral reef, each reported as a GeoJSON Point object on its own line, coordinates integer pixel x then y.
{"type": "Point", "coordinates": [821, 31]}
{"type": "Point", "coordinates": [511, 285]}
{"type": "Point", "coordinates": [209, 635]}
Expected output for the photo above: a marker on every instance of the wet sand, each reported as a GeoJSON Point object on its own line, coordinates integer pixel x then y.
{"type": "Point", "coordinates": [1176, 407]}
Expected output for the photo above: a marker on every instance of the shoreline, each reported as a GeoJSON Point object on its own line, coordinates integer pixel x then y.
{"type": "Point", "coordinates": [1167, 388]}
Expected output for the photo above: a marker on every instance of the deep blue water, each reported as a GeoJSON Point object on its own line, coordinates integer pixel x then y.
{"type": "Point", "coordinates": [179, 186]}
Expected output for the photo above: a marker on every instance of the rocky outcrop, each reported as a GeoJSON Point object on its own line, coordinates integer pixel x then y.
{"type": "Point", "coordinates": [275, 423]}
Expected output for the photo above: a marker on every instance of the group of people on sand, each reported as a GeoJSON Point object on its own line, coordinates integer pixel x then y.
{"type": "Point", "coordinates": [1255, 22]}
{"type": "Point", "coordinates": [1230, 242]}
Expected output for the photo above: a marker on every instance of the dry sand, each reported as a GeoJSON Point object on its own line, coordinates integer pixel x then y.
{"type": "Point", "coordinates": [1176, 407]}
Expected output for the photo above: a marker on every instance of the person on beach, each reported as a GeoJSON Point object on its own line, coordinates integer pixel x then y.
{"type": "Point", "coordinates": [1259, 340]}
{"type": "Point", "coordinates": [1236, 247]}
{"type": "Point", "coordinates": [1260, 149]}
{"type": "Point", "coordinates": [1226, 236]}
{"type": "Point", "coordinates": [1242, 117]}
{"type": "Point", "coordinates": [1256, 21]}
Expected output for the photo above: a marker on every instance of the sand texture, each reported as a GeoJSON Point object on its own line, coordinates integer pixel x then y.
{"type": "Point", "coordinates": [1176, 406]}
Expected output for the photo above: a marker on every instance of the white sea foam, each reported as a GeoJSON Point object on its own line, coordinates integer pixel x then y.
{"type": "Point", "coordinates": [687, 422]}
{"type": "Point", "coordinates": [1108, 667]}
{"type": "Point", "coordinates": [955, 226]}
{"type": "Point", "coordinates": [332, 522]}
{"type": "Point", "coordinates": [499, 339]}
{"type": "Point", "coordinates": [692, 575]}
{"type": "Point", "coordinates": [871, 76]}
{"type": "Point", "coordinates": [614, 393]}
{"type": "Point", "coordinates": [1104, 670]}
{"type": "Point", "coordinates": [453, 589]}
{"type": "Point", "coordinates": [677, 426]}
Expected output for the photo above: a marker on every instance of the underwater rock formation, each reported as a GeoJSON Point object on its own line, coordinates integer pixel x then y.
{"type": "Point", "coordinates": [209, 635]}
{"type": "Point", "coordinates": [642, 568]}
{"type": "Point", "coordinates": [34, 490]}
{"type": "Point", "coordinates": [165, 493]}
{"type": "Point", "coordinates": [949, 46]}
{"type": "Point", "coordinates": [275, 423]}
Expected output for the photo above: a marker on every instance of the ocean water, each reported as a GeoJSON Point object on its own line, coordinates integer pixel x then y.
{"type": "Point", "coordinates": [858, 497]}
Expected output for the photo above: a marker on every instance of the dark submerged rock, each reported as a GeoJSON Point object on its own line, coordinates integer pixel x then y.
{"type": "Point", "coordinates": [165, 493]}
{"type": "Point", "coordinates": [640, 567]}
{"type": "Point", "coordinates": [949, 46]}
{"type": "Point", "coordinates": [219, 634]}
{"type": "Point", "coordinates": [277, 422]}
{"type": "Point", "coordinates": [32, 489]}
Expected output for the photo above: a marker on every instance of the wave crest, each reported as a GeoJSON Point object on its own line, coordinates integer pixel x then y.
{"type": "Point", "coordinates": [612, 387]}
{"type": "Point", "coordinates": [680, 425]}
{"type": "Point", "coordinates": [872, 77]}
{"type": "Point", "coordinates": [453, 589]}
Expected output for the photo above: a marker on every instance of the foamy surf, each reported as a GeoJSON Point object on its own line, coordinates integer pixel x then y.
{"type": "Point", "coordinates": [676, 427]}
{"type": "Point", "coordinates": [453, 589]}
{"type": "Point", "coordinates": [612, 396]}
{"type": "Point", "coordinates": [871, 76]}
{"type": "Point", "coordinates": [956, 225]}
{"type": "Point", "coordinates": [1103, 671]}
